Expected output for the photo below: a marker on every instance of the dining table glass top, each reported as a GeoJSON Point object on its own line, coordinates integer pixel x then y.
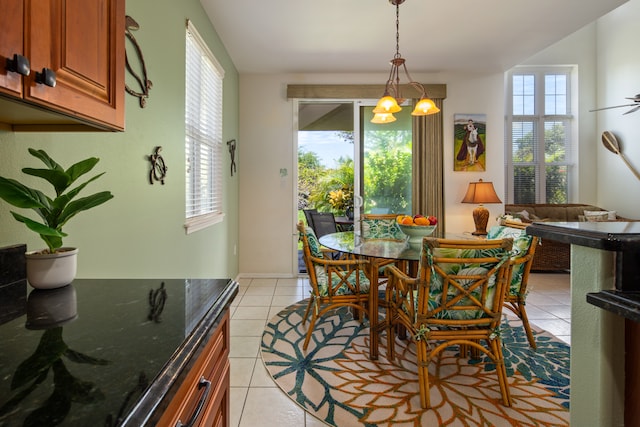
{"type": "Point", "coordinates": [351, 242]}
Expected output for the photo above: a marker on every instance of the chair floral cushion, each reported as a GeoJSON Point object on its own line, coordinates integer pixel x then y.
{"type": "Point", "coordinates": [322, 275]}
{"type": "Point", "coordinates": [314, 244]}
{"type": "Point", "coordinates": [381, 229]}
{"type": "Point", "coordinates": [436, 287]}
{"type": "Point", "coordinates": [521, 244]}
{"type": "Point", "coordinates": [323, 287]}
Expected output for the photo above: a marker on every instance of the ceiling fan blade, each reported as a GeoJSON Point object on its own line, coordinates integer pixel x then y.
{"type": "Point", "coordinates": [636, 108]}
{"type": "Point", "coordinates": [615, 106]}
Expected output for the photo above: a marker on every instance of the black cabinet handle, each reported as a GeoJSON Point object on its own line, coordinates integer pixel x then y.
{"type": "Point", "coordinates": [207, 385]}
{"type": "Point", "coordinates": [19, 64]}
{"type": "Point", "coordinates": [47, 77]}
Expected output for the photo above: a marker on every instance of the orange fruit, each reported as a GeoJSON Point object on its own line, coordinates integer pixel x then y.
{"type": "Point", "coordinates": [407, 220]}
{"type": "Point", "coordinates": [422, 221]}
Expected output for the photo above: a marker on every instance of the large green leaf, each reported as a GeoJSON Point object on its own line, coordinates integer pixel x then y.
{"type": "Point", "coordinates": [21, 196]}
{"type": "Point", "coordinates": [37, 227]}
{"type": "Point", "coordinates": [48, 161]}
{"type": "Point", "coordinates": [80, 168]}
{"type": "Point", "coordinates": [59, 179]}
{"type": "Point", "coordinates": [61, 201]}
{"type": "Point", "coordinates": [83, 204]}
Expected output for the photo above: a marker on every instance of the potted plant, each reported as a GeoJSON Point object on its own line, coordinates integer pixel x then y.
{"type": "Point", "coordinates": [54, 266]}
{"type": "Point", "coordinates": [341, 200]}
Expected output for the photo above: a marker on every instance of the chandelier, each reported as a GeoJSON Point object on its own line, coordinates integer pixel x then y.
{"type": "Point", "coordinates": [392, 97]}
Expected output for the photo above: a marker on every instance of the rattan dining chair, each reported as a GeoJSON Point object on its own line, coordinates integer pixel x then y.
{"type": "Point", "coordinates": [456, 299]}
{"type": "Point", "coordinates": [524, 248]}
{"type": "Point", "coordinates": [334, 283]}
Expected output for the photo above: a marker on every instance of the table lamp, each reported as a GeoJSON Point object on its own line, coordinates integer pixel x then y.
{"type": "Point", "coordinates": [481, 192]}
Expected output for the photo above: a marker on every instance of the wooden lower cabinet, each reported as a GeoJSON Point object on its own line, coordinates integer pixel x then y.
{"type": "Point", "coordinates": [203, 397]}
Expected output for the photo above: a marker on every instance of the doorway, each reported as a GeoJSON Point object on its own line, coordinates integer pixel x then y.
{"type": "Point", "coordinates": [346, 162]}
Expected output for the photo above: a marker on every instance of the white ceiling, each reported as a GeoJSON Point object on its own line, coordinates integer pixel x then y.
{"type": "Point", "coordinates": [358, 36]}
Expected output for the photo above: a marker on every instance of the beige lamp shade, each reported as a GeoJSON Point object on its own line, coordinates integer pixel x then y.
{"type": "Point", "coordinates": [481, 192]}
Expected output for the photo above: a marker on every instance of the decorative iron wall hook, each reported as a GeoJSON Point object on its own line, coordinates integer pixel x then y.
{"type": "Point", "coordinates": [232, 152]}
{"type": "Point", "coordinates": [143, 81]}
{"type": "Point", "coordinates": [158, 168]}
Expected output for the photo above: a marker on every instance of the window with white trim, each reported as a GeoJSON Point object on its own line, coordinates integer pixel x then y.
{"type": "Point", "coordinates": [203, 134]}
{"type": "Point", "coordinates": [538, 135]}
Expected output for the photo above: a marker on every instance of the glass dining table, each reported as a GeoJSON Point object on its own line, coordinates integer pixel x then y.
{"type": "Point", "coordinates": [377, 251]}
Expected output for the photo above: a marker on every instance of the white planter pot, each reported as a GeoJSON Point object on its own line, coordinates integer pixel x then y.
{"type": "Point", "coordinates": [50, 271]}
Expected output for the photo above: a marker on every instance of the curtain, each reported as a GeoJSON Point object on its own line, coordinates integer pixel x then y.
{"type": "Point", "coordinates": [428, 171]}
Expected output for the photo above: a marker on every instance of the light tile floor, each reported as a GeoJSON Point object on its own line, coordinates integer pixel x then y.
{"type": "Point", "coordinates": [257, 401]}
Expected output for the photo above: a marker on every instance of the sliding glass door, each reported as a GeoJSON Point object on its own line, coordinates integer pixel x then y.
{"type": "Point", "coordinates": [385, 163]}
{"type": "Point", "coordinates": [350, 166]}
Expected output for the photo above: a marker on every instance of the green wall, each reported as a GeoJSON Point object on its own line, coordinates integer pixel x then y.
{"type": "Point", "coordinates": [140, 232]}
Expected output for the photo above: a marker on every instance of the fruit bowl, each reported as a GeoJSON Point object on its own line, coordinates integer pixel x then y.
{"type": "Point", "coordinates": [416, 233]}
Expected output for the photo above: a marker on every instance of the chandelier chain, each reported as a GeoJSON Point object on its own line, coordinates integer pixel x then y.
{"type": "Point", "coordinates": [397, 31]}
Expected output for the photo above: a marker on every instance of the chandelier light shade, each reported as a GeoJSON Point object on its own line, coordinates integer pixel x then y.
{"type": "Point", "coordinates": [392, 97]}
{"type": "Point", "coordinates": [381, 118]}
{"type": "Point", "coordinates": [481, 192]}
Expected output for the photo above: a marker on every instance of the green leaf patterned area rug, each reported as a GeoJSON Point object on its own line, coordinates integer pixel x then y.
{"type": "Point", "coordinates": [335, 380]}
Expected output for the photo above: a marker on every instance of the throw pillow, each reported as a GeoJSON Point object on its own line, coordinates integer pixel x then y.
{"type": "Point", "coordinates": [610, 215]}
{"type": "Point", "coordinates": [522, 215]}
{"type": "Point", "coordinates": [594, 216]}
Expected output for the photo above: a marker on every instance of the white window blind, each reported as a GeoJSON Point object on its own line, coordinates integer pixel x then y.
{"type": "Point", "coordinates": [538, 149]}
{"type": "Point", "coordinates": [203, 134]}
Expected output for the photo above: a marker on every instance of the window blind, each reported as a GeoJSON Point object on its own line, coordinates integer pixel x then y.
{"type": "Point", "coordinates": [203, 134]}
{"type": "Point", "coordinates": [539, 136]}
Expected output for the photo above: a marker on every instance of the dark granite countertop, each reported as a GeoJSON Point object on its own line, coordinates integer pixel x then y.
{"type": "Point", "coordinates": [105, 352]}
{"type": "Point", "coordinates": [607, 235]}
{"type": "Point", "coordinates": [621, 238]}
{"type": "Point", "coordinates": [625, 304]}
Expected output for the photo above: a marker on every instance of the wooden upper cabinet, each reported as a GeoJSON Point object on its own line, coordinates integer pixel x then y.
{"type": "Point", "coordinates": [79, 43]}
{"type": "Point", "coordinates": [11, 42]}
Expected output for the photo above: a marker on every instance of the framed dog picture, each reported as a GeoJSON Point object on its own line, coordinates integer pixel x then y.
{"type": "Point", "coordinates": [469, 143]}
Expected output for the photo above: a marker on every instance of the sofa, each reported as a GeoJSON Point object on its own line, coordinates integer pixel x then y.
{"type": "Point", "coordinates": [552, 255]}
